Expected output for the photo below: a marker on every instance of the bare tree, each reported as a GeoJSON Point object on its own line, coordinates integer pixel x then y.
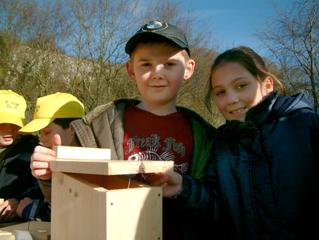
{"type": "Point", "coordinates": [100, 31]}
{"type": "Point", "coordinates": [294, 41]}
{"type": "Point", "coordinates": [78, 46]}
{"type": "Point", "coordinates": [31, 31]}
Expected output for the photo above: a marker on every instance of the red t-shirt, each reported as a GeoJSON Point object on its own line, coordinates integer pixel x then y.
{"type": "Point", "coordinates": [151, 137]}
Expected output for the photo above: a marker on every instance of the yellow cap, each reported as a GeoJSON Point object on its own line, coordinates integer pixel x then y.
{"type": "Point", "coordinates": [50, 107]}
{"type": "Point", "coordinates": [12, 107]}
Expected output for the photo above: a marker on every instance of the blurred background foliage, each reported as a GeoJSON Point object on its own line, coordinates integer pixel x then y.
{"type": "Point", "coordinates": [77, 46]}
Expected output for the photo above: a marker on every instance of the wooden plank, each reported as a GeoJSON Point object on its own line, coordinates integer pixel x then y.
{"type": "Point", "coordinates": [134, 213]}
{"type": "Point", "coordinates": [96, 201]}
{"type": "Point", "coordinates": [5, 235]}
{"type": "Point", "coordinates": [38, 230]}
{"type": "Point", "coordinates": [111, 167]}
{"type": "Point", "coordinates": [110, 182]}
{"type": "Point", "coordinates": [87, 211]}
{"type": "Point", "coordinates": [71, 153]}
{"type": "Point", "coordinates": [77, 210]}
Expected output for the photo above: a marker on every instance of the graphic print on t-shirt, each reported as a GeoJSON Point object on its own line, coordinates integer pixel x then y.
{"type": "Point", "coordinates": [157, 138]}
{"type": "Point", "coordinates": [152, 145]}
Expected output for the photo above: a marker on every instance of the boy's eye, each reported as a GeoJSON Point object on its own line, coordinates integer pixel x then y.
{"type": "Point", "coordinates": [45, 132]}
{"type": "Point", "coordinates": [146, 64]}
{"type": "Point", "coordinates": [170, 64]}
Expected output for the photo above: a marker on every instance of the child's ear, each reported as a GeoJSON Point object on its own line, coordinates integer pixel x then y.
{"type": "Point", "coordinates": [129, 69]}
{"type": "Point", "coordinates": [189, 69]}
{"type": "Point", "coordinates": [269, 84]}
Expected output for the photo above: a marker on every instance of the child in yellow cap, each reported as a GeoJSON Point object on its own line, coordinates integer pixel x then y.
{"type": "Point", "coordinates": [16, 180]}
{"type": "Point", "coordinates": [53, 114]}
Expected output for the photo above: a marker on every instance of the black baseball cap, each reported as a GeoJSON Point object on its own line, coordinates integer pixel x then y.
{"type": "Point", "coordinates": [162, 29]}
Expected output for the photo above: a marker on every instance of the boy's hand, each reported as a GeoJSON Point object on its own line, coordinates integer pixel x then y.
{"type": "Point", "coordinates": [8, 209]}
{"type": "Point", "coordinates": [22, 204]}
{"type": "Point", "coordinates": [171, 182]}
{"type": "Point", "coordinates": [41, 158]}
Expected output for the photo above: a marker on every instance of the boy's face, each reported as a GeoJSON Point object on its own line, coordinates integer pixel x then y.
{"type": "Point", "coordinates": [158, 70]}
{"type": "Point", "coordinates": [47, 133]}
{"type": "Point", "coordinates": [236, 90]}
{"type": "Point", "coordinates": [8, 133]}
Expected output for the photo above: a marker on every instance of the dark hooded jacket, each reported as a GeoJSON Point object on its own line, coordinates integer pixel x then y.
{"type": "Point", "coordinates": [267, 171]}
{"type": "Point", "coordinates": [16, 180]}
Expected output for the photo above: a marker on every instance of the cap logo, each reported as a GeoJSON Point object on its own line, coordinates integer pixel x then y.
{"type": "Point", "coordinates": [155, 26]}
{"type": "Point", "coordinates": [12, 105]}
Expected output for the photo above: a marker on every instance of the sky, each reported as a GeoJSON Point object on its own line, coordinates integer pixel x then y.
{"type": "Point", "coordinates": [234, 22]}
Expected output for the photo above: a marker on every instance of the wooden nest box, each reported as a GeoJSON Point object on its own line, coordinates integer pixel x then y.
{"type": "Point", "coordinates": [94, 197]}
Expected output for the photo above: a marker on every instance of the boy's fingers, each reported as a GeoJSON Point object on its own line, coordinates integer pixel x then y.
{"type": "Point", "coordinates": [43, 154]}
{"type": "Point", "coordinates": [40, 151]}
{"type": "Point", "coordinates": [156, 179]}
{"type": "Point", "coordinates": [40, 164]}
{"type": "Point", "coordinates": [56, 140]}
{"type": "Point", "coordinates": [42, 174]}
{"type": "Point", "coordinates": [3, 207]}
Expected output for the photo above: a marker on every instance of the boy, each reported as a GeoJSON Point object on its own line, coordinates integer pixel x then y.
{"type": "Point", "coordinates": [16, 180]}
{"type": "Point", "coordinates": [53, 114]}
{"type": "Point", "coordinates": [154, 127]}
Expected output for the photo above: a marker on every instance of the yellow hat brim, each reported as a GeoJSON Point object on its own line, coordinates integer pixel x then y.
{"type": "Point", "coordinates": [36, 125]}
{"type": "Point", "coordinates": [12, 119]}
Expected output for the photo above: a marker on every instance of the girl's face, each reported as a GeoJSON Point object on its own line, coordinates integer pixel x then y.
{"type": "Point", "coordinates": [236, 90]}
{"type": "Point", "coordinates": [47, 133]}
{"type": "Point", "coordinates": [8, 133]}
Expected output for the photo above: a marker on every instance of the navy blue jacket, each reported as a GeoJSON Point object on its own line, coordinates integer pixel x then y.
{"type": "Point", "coordinates": [267, 171]}
{"type": "Point", "coordinates": [16, 180]}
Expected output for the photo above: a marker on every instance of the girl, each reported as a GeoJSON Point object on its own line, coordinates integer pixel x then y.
{"type": "Point", "coordinates": [266, 155]}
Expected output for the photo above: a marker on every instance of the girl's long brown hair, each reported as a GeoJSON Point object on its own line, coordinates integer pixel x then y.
{"type": "Point", "coordinates": [250, 60]}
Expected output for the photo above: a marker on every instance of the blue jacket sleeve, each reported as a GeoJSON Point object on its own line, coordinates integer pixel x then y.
{"type": "Point", "coordinates": [198, 197]}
